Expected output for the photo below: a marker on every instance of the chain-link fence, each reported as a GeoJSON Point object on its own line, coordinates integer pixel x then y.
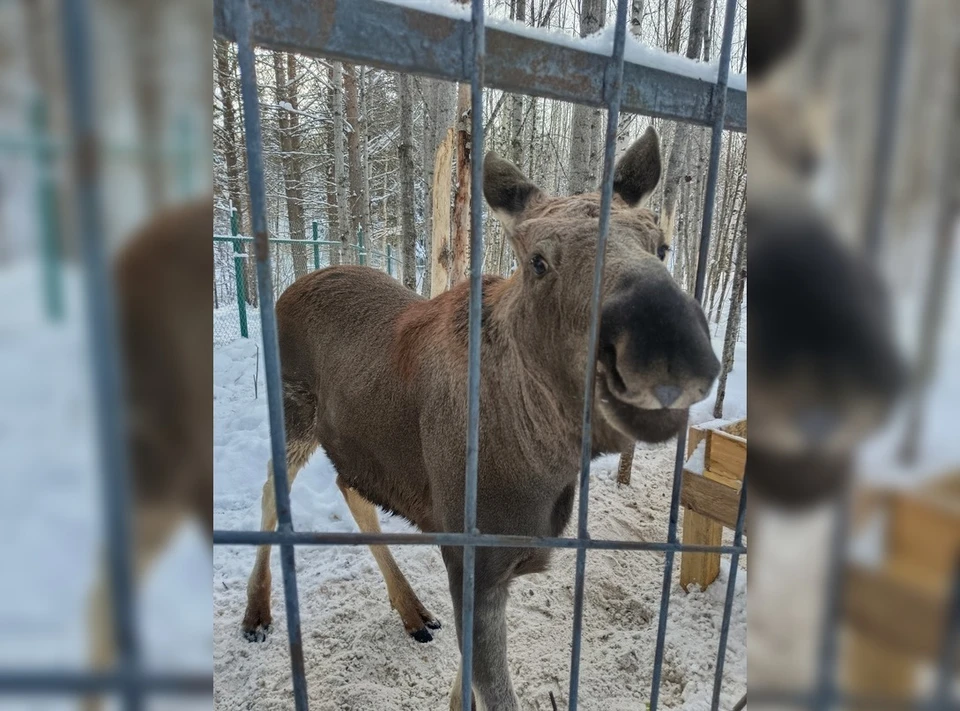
{"type": "Point", "coordinates": [236, 311]}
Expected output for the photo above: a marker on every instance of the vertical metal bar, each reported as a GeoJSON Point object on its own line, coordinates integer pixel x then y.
{"type": "Point", "coordinates": [268, 326]}
{"type": "Point", "coordinates": [950, 650]}
{"type": "Point", "coordinates": [102, 340]}
{"type": "Point", "coordinates": [825, 694]}
{"type": "Point", "coordinates": [613, 81]}
{"type": "Point", "coordinates": [728, 602]}
{"type": "Point", "coordinates": [361, 251]}
{"type": "Point", "coordinates": [473, 374]}
{"type": "Point", "coordinates": [710, 193]}
{"type": "Point", "coordinates": [887, 115]}
{"type": "Point", "coordinates": [239, 277]}
{"type": "Point", "coordinates": [389, 262]}
{"type": "Point", "coordinates": [316, 247]}
{"type": "Point", "coordinates": [184, 155]}
{"type": "Point", "coordinates": [872, 239]}
{"type": "Point", "coordinates": [49, 211]}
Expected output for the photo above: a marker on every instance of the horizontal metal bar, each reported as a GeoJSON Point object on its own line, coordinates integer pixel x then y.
{"type": "Point", "coordinates": [60, 147]}
{"type": "Point", "coordinates": [488, 540]}
{"type": "Point", "coordinates": [417, 41]}
{"type": "Point", "coordinates": [804, 700]}
{"type": "Point", "coordinates": [306, 242]}
{"type": "Point", "coordinates": [34, 682]}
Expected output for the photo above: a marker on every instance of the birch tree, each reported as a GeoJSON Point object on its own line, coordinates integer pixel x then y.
{"type": "Point", "coordinates": [339, 162]}
{"type": "Point", "coordinates": [586, 120]}
{"type": "Point", "coordinates": [288, 126]}
{"type": "Point", "coordinates": [408, 237]}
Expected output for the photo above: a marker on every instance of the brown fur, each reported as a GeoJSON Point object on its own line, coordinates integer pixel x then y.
{"type": "Point", "coordinates": [378, 376]}
{"type": "Point", "coordinates": [163, 298]}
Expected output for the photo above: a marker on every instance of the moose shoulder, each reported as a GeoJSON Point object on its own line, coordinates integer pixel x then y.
{"type": "Point", "coordinates": [377, 376]}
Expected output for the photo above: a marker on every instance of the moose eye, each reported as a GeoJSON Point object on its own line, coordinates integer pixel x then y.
{"type": "Point", "coordinates": [539, 265]}
{"type": "Point", "coordinates": [662, 251]}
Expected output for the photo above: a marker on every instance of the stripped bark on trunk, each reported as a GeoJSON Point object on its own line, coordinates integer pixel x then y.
{"type": "Point", "coordinates": [408, 232]}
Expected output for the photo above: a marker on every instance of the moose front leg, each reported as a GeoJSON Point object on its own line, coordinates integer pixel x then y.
{"type": "Point", "coordinates": [492, 687]}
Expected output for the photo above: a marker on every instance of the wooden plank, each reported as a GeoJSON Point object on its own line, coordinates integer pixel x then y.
{"type": "Point", "coordinates": [891, 608]}
{"type": "Point", "coordinates": [875, 670]}
{"type": "Point", "coordinates": [924, 534]}
{"type": "Point", "coordinates": [726, 458]}
{"type": "Point", "coordinates": [699, 568]}
{"type": "Point", "coordinates": [737, 427]}
{"type": "Point", "coordinates": [710, 498]}
{"type": "Point", "coordinates": [695, 436]}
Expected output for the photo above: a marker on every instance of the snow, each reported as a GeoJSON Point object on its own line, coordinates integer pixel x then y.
{"type": "Point", "coordinates": [697, 461]}
{"type": "Point", "coordinates": [357, 654]}
{"type": "Point", "coordinates": [600, 43]}
{"type": "Point", "coordinates": [50, 513]}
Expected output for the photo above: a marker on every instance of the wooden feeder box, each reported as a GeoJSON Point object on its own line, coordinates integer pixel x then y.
{"type": "Point", "coordinates": [710, 493]}
{"type": "Point", "coordinates": [896, 605]}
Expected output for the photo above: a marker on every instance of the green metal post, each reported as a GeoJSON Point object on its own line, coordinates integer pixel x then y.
{"type": "Point", "coordinates": [239, 278]}
{"type": "Point", "coordinates": [389, 262]}
{"type": "Point", "coordinates": [361, 254]}
{"type": "Point", "coordinates": [316, 247]}
{"type": "Point", "coordinates": [49, 213]}
{"type": "Point", "coordinates": [184, 156]}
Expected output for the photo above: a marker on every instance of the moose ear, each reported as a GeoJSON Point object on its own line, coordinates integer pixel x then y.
{"type": "Point", "coordinates": [638, 171]}
{"type": "Point", "coordinates": [507, 190]}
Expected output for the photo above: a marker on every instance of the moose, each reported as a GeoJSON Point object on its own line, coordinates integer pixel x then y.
{"type": "Point", "coordinates": [377, 376]}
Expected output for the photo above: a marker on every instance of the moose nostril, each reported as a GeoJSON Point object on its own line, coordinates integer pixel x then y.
{"type": "Point", "coordinates": [667, 394]}
{"type": "Point", "coordinates": [817, 423]}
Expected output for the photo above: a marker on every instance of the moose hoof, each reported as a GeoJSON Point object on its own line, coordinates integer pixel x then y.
{"type": "Point", "coordinates": [257, 634]}
{"type": "Point", "coordinates": [422, 635]}
{"type": "Point", "coordinates": [432, 624]}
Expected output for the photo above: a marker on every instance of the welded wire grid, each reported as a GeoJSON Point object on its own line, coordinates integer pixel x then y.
{"type": "Point", "coordinates": [236, 310]}
{"type": "Point", "coordinates": [235, 16]}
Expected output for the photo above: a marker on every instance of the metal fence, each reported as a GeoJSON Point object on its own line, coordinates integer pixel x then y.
{"type": "Point", "coordinates": [458, 50]}
{"type": "Point", "coordinates": [394, 37]}
{"type": "Point", "coordinates": [235, 303]}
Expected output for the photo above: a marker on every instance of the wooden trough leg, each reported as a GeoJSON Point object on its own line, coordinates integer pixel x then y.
{"type": "Point", "coordinates": [873, 669]}
{"type": "Point", "coordinates": [700, 568]}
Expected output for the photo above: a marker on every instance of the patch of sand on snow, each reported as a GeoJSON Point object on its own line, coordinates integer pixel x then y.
{"type": "Point", "coordinates": [358, 657]}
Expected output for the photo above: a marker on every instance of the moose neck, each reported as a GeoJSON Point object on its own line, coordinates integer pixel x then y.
{"type": "Point", "coordinates": [544, 394]}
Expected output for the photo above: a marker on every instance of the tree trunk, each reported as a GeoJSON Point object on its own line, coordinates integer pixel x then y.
{"type": "Point", "coordinates": [461, 202]}
{"type": "Point", "coordinates": [636, 17]}
{"type": "Point", "coordinates": [288, 123]}
{"type": "Point", "coordinates": [357, 196]}
{"type": "Point", "coordinates": [733, 321]}
{"type": "Point", "coordinates": [516, 101]}
{"type": "Point", "coordinates": [586, 120]}
{"type": "Point", "coordinates": [408, 232]}
{"type": "Point", "coordinates": [339, 163]}
{"type": "Point", "coordinates": [330, 171]}
{"type": "Point", "coordinates": [148, 89]}
{"type": "Point", "coordinates": [681, 140]}
{"type": "Point", "coordinates": [365, 220]}
{"type": "Point", "coordinates": [438, 118]}
{"type": "Point", "coordinates": [235, 184]}
{"type": "Point", "coordinates": [440, 241]}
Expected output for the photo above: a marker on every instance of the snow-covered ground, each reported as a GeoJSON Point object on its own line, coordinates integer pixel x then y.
{"type": "Point", "coordinates": [357, 654]}
{"type": "Point", "coordinates": [50, 514]}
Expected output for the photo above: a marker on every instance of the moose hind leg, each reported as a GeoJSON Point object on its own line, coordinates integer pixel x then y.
{"type": "Point", "coordinates": [258, 618]}
{"type": "Point", "coordinates": [417, 620]}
